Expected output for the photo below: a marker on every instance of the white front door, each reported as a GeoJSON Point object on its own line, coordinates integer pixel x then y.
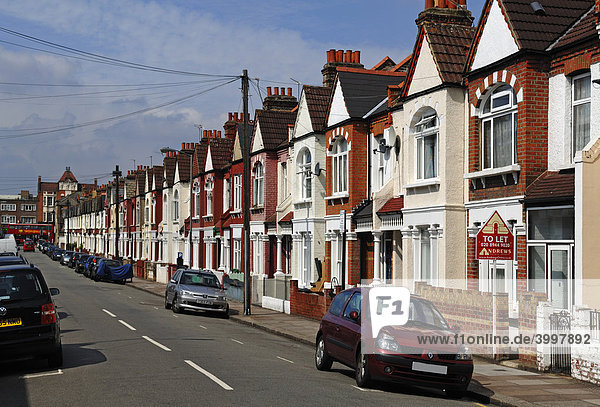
{"type": "Point", "coordinates": [559, 259]}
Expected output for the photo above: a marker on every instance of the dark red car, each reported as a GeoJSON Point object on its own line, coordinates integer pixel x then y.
{"type": "Point", "coordinates": [397, 354]}
{"type": "Point", "coordinates": [28, 246]}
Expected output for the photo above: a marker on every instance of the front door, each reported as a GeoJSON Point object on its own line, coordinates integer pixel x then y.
{"type": "Point", "coordinates": [559, 258]}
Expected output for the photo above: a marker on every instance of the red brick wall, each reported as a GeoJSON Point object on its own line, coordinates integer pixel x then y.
{"type": "Point", "coordinates": [528, 303]}
{"type": "Point", "coordinates": [309, 305]}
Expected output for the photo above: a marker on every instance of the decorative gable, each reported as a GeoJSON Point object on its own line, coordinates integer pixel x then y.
{"type": "Point", "coordinates": [338, 112]}
{"type": "Point", "coordinates": [426, 75]}
{"type": "Point", "coordinates": [496, 41]}
{"type": "Point", "coordinates": [209, 164]}
{"type": "Point", "coordinates": [237, 148]}
{"type": "Point", "coordinates": [257, 143]}
{"type": "Point", "coordinates": [303, 123]}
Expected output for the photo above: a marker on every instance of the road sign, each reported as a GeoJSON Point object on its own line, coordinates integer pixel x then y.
{"type": "Point", "coordinates": [495, 240]}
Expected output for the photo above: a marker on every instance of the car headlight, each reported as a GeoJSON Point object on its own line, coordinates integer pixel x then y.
{"type": "Point", "coordinates": [185, 292]}
{"type": "Point", "coordinates": [464, 353]}
{"type": "Point", "coordinates": [221, 298]}
{"type": "Point", "coordinates": [387, 342]}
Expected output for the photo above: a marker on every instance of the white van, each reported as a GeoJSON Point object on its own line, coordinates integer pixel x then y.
{"type": "Point", "coordinates": [8, 244]}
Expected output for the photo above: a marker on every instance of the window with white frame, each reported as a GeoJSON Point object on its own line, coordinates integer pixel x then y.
{"type": "Point", "coordinates": [237, 192]}
{"type": "Point", "coordinates": [237, 254]}
{"type": "Point", "coordinates": [196, 190]}
{"type": "Point", "coordinates": [425, 257]}
{"type": "Point", "coordinates": [176, 205]}
{"type": "Point", "coordinates": [27, 219]}
{"type": "Point", "coordinates": [581, 111]}
{"type": "Point", "coordinates": [426, 132]}
{"type": "Point", "coordinates": [499, 128]}
{"type": "Point", "coordinates": [258, 184]}
{"type": "Point", "coordinates": [8, 207]}
{"type": "Point", "coordinates": [284, 180]}
{"type": "Point", "coordinates": [305, 173]}
{"type": "Point", "coordinates": [137, 212]}
{"type": "Point", "coordinates": [209, 196]}
{"type": "Point", "coordinates": [258, 254]}
{"type": "Point", "coordinates": [165, 207]}
{"type": "Point", "coordinates": [380, 160]}
{"type": "Point", "coordinates": [147, 211]}
{"type": "Point", "coordinates": [50, 217]}
{"type": "Point", "coordinates": [340, 166]}
{"type": "Point", "coordinates": [28, 207]}
{"type": "Point", "coordinates": [153, 209]}
{"type": "Point", "coordinates": [226, 194]}
{"type": "Point", "coordinates": [336, 261]}
{"type": "Point", "coordinates": [9, 219]}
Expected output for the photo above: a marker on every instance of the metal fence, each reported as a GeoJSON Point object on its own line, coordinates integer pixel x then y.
{"type": "Point", "coordinates": [560, 352]}
{"type": "Point", "coordinates": [595, 324]}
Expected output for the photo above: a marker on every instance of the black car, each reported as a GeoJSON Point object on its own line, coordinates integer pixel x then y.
{"type": "Point", "coordinates": [66, 257]}
{"type": "Point", "coordinates": [12, 260]}
{"type": "Point", "coordinates": [29, 324]}
{"type": "Point", "coordinates": [57, 254]}
{"type": "Point", "coordinates": [73, 259]}
{"type": "Point", "coordinates": [89, 264]}
{"type": "Point", "coordinates": [81, 263]}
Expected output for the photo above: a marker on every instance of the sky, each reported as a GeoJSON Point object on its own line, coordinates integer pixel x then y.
{"type": "Point", "coordinates": [63, 104]}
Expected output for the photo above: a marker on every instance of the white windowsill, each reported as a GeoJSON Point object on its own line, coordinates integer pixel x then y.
{"type": "Point", "coordinates": [339, 195]}
{"type": "Point", "coordinates": [512, 170]}
{"type": "Point", "coordinates": [236, 212]}
{"type": "Point", "coordinates": [303, 201]}
{"type": "Point", "coordinates": [423, 183]}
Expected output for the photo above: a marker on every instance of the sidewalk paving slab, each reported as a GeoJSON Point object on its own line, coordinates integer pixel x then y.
{"type": "Point", "coordinates": [492, 383]}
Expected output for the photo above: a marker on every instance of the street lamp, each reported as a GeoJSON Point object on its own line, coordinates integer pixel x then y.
{"type": "Point", "coordinates": [165, 150]}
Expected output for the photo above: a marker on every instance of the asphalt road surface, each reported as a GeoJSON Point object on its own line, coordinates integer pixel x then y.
{"type": "Point", "coordinates": [122, 348]}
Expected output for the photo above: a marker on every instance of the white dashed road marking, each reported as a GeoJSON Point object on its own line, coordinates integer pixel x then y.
{"type": "Point", "coordinates": [127, 325]}
{"type": "Point", "coordinates": [160, 345]}
{"type": "Point", "coordinates": [284, 359]}
{"type": "Point", "coordinates": [209, 375]}
{"type": "Point", "coordinates": [109, 313]}
{"type": "Point", "coordinates": [33, 376]}
{"type": "Point", "coordinates": [236, 341]}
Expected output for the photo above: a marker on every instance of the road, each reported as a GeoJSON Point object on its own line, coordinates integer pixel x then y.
{"type": "Point", "coordinates": [122, 348]}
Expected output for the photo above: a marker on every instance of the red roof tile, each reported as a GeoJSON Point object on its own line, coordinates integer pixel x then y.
{"type": "Point", "coordinates": [450, 46]}
{"type": "Point", "coordinates": [317, 99]}
{"type": "Point", "coordinates": [552, 185]}
{"type": "Point", "coordinates": [394, 205]}
{"type": "Point", "coordinates": [585, 28]}
{"type": "Point", "coordinates": [273, 126]}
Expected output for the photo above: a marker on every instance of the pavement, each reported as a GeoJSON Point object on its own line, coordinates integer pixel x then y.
{"type": "Point", "coordinates": [498, 384]}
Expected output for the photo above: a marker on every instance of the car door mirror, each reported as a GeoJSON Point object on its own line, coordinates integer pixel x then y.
{"type": "Point", "coordinates": [54, 291]}
{"type": "Point", "coordinates": [173, 281]}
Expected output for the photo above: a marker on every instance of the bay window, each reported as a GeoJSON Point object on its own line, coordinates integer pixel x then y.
{"type": "Point", "coordinates": [426, 139]}
{"type": "Point", "coordinates": [305, 174]}
{"type": "Point", "coordinates": [340, 166]}
{"type": "Point", "coordinates": [258, 184]}
{"type": "Point", "coordinates": [581, 105]}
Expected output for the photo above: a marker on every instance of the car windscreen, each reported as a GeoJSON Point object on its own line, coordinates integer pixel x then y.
{"type": "Point", "coordinates": [83, 258]}
{"type": "Point", "coordinates": [199, 279]}
{"type": "Point", "coordinates": [11, 261]}
{"type": "Point", "coordinates": [19, 285]}
{"type": "Point", "coordinates": [112, 263]}
{"type": "Point", "coordinates": [424, 313]}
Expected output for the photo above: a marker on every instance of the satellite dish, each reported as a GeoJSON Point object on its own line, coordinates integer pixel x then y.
{"type": "Point", "coordinates": [317, 170]}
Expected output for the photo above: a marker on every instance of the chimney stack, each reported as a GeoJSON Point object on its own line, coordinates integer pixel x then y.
{"type": "Point", "coordinates": [429, 4]}
{"type": "Point", "coordinates": [337, 58]}
{"type": "Point", "coordinates": [219, 134]}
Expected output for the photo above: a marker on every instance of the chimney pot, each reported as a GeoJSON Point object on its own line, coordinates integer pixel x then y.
{"type": "Point", "coordinates": [182, 146]}
{"type": "Point", "coordinates": [331, 56]}
{"type": "Point", "coordinates": [462, 3]}
{"type": "Point", "coordinates": [429, 4]}
{"type": "Point", "coordinates": [241, 117]}
{"type": "Point", "coordinates": [339, 55]}
{"type": "Point", "coordinates": [356, 57]}
{"type": "Point", "coordinates": [235, 116]}
{"type": "Point", "coordinates": [269, 91]}
{"type": "Point", "coordinates": [230, 116]}
{"type": "Point", "coordinates": [219, 134]}
{"type": "Point", "coordinates": [289, 91]}
{"type": "Point", "coordinates": [441, 4]}
{"type": "Point", "coordinates": [203, 133]}
{"type": "Point", "coordinates": [450, 4]}
{"type": "Point", "coordinates": [348, 56]}
{"type": "Point", "coordinates": [276, 89]}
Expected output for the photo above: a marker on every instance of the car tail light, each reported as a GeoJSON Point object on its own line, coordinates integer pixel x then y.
{"type": "Point", "coordinates": [48, 314]}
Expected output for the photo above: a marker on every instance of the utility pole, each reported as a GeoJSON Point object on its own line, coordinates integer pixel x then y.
{"type": "Point", "coordinates": [246, 196]}
{"type": "Point", "coordinates": [116, 173]}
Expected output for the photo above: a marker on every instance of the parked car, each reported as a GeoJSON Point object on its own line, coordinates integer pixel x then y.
{"type": "Point", "coordinates": [29, 246]}
{"type": "Point", "coordinates": [111, 270]}
{"type": "Point", "coordinates": [81, 263]}
{"type": "Point", "coordinates": [12, 260]}
{"type": "Point", "coordinates": [73, 260]}
{"type": "Point", "coordinates": [29, 323]}
{"type": "Point", "coordinates": [8, 244]}
{"type": "Point", "coordinates": [57, 254]}
{"type": "Point", "coordinates": [196, 290]}
{"type": "Point", "coordinates": [66, 257]}
{"type": "Point", "coordinates": [395, 354]}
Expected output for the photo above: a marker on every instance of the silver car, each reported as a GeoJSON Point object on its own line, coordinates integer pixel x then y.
{"type": "Point", "coordinates": [196, 290]}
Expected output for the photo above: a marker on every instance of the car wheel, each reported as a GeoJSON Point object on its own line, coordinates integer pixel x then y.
{"type": "Point", "coordinates": [363, 379]}
{"type": "Point", "coordinates": [56, 359]}
{"type": "Point", "coordinates": [174, 306]}
{"type": "Point", "coordinates": [167, 305]}
{"type": "Point", "coordinates": [322, 360]}
{"type": "Point", "coordinates": [225, 314]}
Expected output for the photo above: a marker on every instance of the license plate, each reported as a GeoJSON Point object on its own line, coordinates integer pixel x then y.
{"type": "Point", "coordinates": [429, 368]}
{"type": "Point", "coordinates": [204, 302]}
{"type": "Point", "coordinates": [10, 322]}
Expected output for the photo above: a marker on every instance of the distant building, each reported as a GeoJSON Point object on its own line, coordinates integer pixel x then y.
{"type": "Point", "coordinates": [20, 208]}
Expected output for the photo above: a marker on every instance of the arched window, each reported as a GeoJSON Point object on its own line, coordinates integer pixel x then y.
{"type": "Point", "coordinates": [499, 128]}
{"type": "Point", "coordinates": [305, 174]}
{"type": "Point", "coordinates": [258, 184]}
{"type": "Point", "coordinates": [176, 205]}
{"type": "Point", "coordinates": [426, 131]}
{"type": "Point", "coordinates": [209, 196]}
{"type": "Point", "coordinates": [340, 166]}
